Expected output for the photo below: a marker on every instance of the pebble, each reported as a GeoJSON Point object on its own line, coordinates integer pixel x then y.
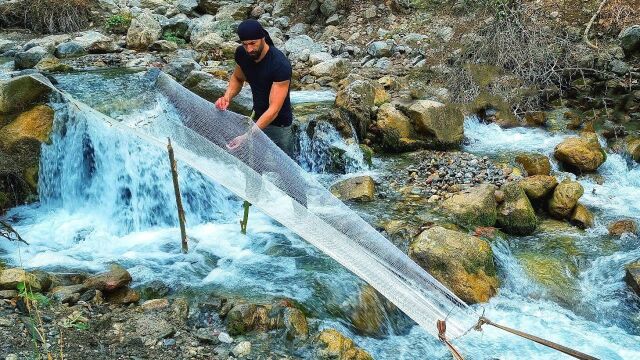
{"type": "Point", "coordinates": [225, 338]}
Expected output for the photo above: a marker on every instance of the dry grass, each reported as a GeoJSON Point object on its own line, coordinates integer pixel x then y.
{"type": "Point", "coordinates": [46, 16]}
{"type": "Point", "coordinates": [619, 14]}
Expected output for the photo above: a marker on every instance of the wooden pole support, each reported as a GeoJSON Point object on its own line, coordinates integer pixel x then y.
{"type": "Point", "coordinates": [176, 188]}
{"type": "Point", "coordinates": [245, 217]}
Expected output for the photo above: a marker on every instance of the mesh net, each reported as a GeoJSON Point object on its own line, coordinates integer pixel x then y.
{"type": "Point", "coordinates": [261, 173]}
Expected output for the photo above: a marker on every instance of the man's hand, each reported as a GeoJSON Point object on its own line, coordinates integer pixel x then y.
{"type": "Point", "coordinates": [222, 103]}
{"type": "Point", "coordinates": [237, 142]}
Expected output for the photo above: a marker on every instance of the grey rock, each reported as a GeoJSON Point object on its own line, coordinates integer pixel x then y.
{"type": "Point", "coordinates": [619, 67]}
{"type": "Point", "coordinates": [336, 68]}
{"type": "Point", "coordinates": [69, 49]}
{"type": "Point", "coordinates": [163, 46]}
{"type": "Point", "coordinates": [144, 30]}
{"type": "Point", "coordinates": [181, 67]}
{"type": "Point", "coordinates": [177, 25]}
{"type": "Point", "coordinates": [298, 29]}
{"type": "Point", "coordinates": [95, 42]}
{"type": "Point", "coordinates": [28, 59]}
{"type": "Point", "coordinates": [333, 20]}
{"type": "Point", "coordinates": [381, 48]}
{"type": "Point", "coordinates": [186, 6]}
{"type": "Point", "coordinates": [210, 88]}
{"type": "Point", "coordinates": [298, 43]}
{"type": "Point", "coordinates": [329, 7]}
{"type": "Point", "coordinates": [225, 338]}
{"type": "Point", "coordinates": [6, 45]}
{"type": "Point", "coordinates": [371, 12]}
{"type": "Point", "coordinates": [48, 42]}
{"type": "Point", "coordinates": [630, 39]}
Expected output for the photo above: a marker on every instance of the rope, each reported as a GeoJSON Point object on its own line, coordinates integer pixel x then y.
{"type": "Point", "coordinates": [571, 352]}
{"type": "Point", "coordinates": [442, 329]}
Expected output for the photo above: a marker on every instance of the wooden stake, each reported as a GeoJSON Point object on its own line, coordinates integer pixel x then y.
{"type": "Point", "coordinates": [176, 187]}
{"type": "Point", "coordinates": [245, 217]}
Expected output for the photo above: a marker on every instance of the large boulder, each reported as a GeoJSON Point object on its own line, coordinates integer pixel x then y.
{"type": "Point", "coordinates": [462, 262]}
{"type": "Point", "coordinates": [34, 124]}
{"type": "Point", "coordinates": [358, 188]}
{"type": "Point", "coordinates": [374, 316]}
{"type": "Point", "coordinates": [534, 164]}
{"type": "Point", "coordinates": [336, 68]}
{"type": "Point", "coordinates": [445, 123]}
{"type": "Point", "coordinates": [583, 153]}
{"type": "Point", "coordinates": [473, 207]}
{"type": "Point", "coordinates": [211, 41]}
{"type": "Point", "coordinates": [630, 39]}
{"type": "Point", "coordinates": [69, 49]}
{"type": "Point", "coordinates": [565, 198]}
{"type": "Point", "coordinates": [632, 276]}
{"type": "Point", "coordinates": [295, 45]}
{"type": "Point", "coordinates": [395, 128]}
{"type": "Point", "coordinates": [211, 88]}
{"type": "Point", "coordinates": [515, 214]}
{"type": "Point", "coordinates": [355, 101]}
{"type": "Point", "coordinates": [48, 42]}
{"type": "Point", "coordinates": [538, 187]}
{"type": "Point", "coordinates": [334, 345]}
{"type": "Point", "coordinates": [144, 31]}
{"type": "Point", "coordinates": [16, 94]}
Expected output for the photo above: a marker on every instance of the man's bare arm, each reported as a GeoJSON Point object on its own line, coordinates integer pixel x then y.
{"type": "Point", "coordinates": [236, 81]}
{"type": "Point", "coordinates": [278, 94]}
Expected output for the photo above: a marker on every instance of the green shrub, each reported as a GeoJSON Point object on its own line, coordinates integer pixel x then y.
{"type": "Point", "coordinates": [173, 37]}
{"type": "Point", "coordinates": [118, 24]}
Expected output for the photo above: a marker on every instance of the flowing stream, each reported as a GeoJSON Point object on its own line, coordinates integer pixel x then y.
{"type": "Point", "coordinates": [107, 198]}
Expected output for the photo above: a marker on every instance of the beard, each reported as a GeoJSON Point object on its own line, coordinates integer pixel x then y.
{"type": "Point", "coordinates": [255, 55]}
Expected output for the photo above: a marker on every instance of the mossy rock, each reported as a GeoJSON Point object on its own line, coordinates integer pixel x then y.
{"type": "Point", "coordinates": [473, 207]}
{"type": "Point", "coordinates": [462, 262]}
{"type": "Point", "coordinates": [565, 198]}
{"type": "Point", "coordinates": [534, 164]}
{"type": "Point", "coordinates": [334, 345]}
{"type": "Point", "coordinates": [493, 108]}
{"type": "Point", "coordinates": [581, 154]}
{"type": "Point", "coordinates": [516, 214]}
{"type": "Point", "coordinates": [556, 276]}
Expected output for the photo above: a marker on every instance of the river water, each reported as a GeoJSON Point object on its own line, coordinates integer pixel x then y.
{"type": "Point", "coordinates": [107, 198]}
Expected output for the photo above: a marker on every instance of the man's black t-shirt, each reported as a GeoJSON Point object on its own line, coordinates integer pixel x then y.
{"type": "Point", "coordinates": [274, 67]}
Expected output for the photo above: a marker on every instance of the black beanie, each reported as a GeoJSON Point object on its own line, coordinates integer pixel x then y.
{"type": "Point", "coordinates": [252, 30]}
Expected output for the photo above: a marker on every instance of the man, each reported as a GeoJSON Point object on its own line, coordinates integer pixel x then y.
{"type": "Point", "coordinates": [268, 72]}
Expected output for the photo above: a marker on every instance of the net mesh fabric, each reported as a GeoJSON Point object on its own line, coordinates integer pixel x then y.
{"type": "Point", "coordinates": [261, 173]}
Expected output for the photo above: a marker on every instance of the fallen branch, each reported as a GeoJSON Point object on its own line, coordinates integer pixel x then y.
{"type": "Point", "coordinates": [588, 28]}
{"type": "Point", "coordinates": [7, 232]}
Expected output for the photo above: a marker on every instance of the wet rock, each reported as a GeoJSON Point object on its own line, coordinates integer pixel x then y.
{"type": "Point", "coordinates": [114, 279]}
{"type": "Point", "coordinates": [565, 198]}
{"type": "Point", "coordinates": [154, 290]}
{"type": "Point", "coordinates": [535, 118]}
{"type": "Point", "coordinates": [181, 67]}
{"type": "Point", "coordinates": [295, 324]}
{"type": "Point", "coordinates": [52, 64]}
{"type": "Point", "coordinates": [582, 217]}
{"type": "Point", "coordinates": [474, 207]}
{"type": "Point", "coordinates": [620, 227]}
{"type": "Point", "coordinates": [630, 39]}
{"type": "Point", "coordinates": [180, 309]}
{"type": "Point", "coordinates": [632, 276]}
{"type": "Point", "coordinates": [582, 153]}
{"type": "Point", "coordinates": [356, 101]}
{"type": "Point", "coordinates": [633, 148]}
{"type": "Point", "coordinates": [336, 68]}
{"type": "Point", "coordinates": [334, 345]}
{"type": "Point", "coordinates": [515, 214]}
{"type": "Point", "coordinates": [443, 122]}
{"type": "Point", "coordinates": [206, 335]}
{"type": "Point", "coordinates": [538, 187]}
{"type": "Point", "coordinates": [144, 30]}
{"type": "Point", "coordinates": [6, 45]}
{"type": "Point", "coordinates": [10, 278]}
{"type": "Point", "coordinates": [34, 124]}
{"type": "Point", "coordinates": [359, 188]}
{"type": "Point", "coordinates": [210, 88]}
{"type": "Point", "coordinates": [243, 318]}
{"type": "Point", "coordinates": [243, 349]}
{"type": "Point", "coordinates": [394, 126]}
{"type": "Point", "coordinates": [494, 109]}
{"type": "Point", "coordinates": [555, 274]}
{"type": "Point", "coordinates": [28, 59]}
{"type": "Point", "coordinates": [534, 164]}
{"type": "Point", "coordinates": [462, 262]}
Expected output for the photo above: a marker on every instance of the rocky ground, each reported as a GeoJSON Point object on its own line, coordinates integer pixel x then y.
{"type": "Point", "coordinates": [99, 316]}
